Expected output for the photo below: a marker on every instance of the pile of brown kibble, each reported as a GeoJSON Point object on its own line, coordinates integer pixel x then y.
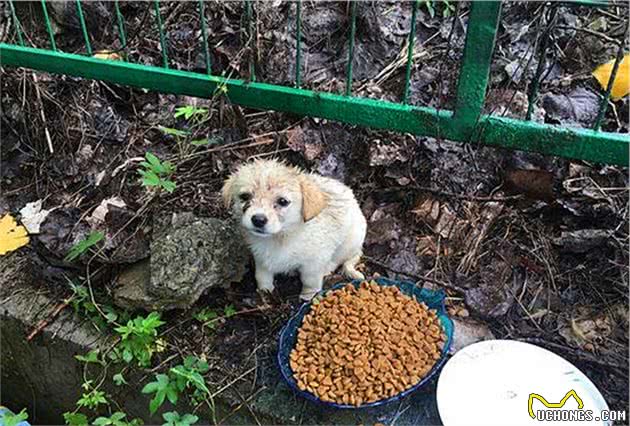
{"type": "Point", "coordinates": [362, 345]}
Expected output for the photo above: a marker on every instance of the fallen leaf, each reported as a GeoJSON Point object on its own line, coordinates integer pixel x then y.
{"type": "Point", "coordinates": [621, 85]}
{"type": "Point", "coordinates": [32, 216]}
{"type": "Point", "coordinates": [536, 184]}
{"type": "Point", "coordinates": [12, 236]}
{"type": "Point", "coordinates": [108, 55]}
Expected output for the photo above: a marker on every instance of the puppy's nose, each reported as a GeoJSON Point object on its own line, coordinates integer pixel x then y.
{"type": "Point", "coordinates": [259, 220]}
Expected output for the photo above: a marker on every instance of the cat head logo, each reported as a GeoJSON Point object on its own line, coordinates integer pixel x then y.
{"type": "Point", "coordinates": [533, 396]}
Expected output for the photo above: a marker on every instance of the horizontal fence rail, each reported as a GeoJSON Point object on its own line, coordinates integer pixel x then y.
{"type": "Point", "coordinates": [465, 124]}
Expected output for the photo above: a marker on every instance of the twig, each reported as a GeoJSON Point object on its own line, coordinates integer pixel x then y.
{"type": "Point", "coordinates": [41, 112]}
{"type": "Point", "coordinates": [452, 194]}
{"type": "Point", "coordinates": [44, 323]}
{"type": "Point", "coordinates": [415, 277]}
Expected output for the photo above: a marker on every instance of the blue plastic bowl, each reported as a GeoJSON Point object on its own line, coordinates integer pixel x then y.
{"type": "Point", "coordinates": [288, 338]}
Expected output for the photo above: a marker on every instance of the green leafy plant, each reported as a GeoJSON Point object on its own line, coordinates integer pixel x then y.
{"type": "Point", "coordinates": [83, 246]}
{"type": "Point", "coordinates": [190, 111]}
{"type": "Point", "coordinates": [75, 419]}
{"type": "Point", "coordinates": [139, 339]}
{"type": "Point", "coordinates": [229, 311]}
{"type": "Point", "coordinates": [163, 387]}
{"type": "Point", "coordinates": [12, 419]}
{"type": "Point", "coordinates": [447, 9]}
{"type": "Point", "coordinates": [173, 418]}
{"type": "Point", "coordinates": [157, 173]}
{"type": "Point", "coordinates": [92, 399]}
{"type": "Point", "coordinates": [188, 375]}
{"type": "Point", "coordinates": [116, 419]}
{"type": "Point", "coordinates": [119, 380]}
{"type": "Point", "coordinates": [91, 357]}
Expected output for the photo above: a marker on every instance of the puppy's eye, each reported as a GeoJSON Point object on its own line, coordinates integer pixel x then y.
{"type": "Point", "coordinates": [245, 197]}
{"type": "Point", "coordinates": [283, 202]}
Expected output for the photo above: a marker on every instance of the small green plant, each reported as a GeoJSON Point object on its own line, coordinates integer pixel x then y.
{"type": "Point", "coordinates": [139, 339]}
{"type": "Point", "coordinates": [190, 111]}
{"type": "Point", "coordinates": [11, 419]}
{"type": "Point", "coordinates": [229, 311]}
{"type": "Point", "coordinates": [188, 375]}
{"type": "Point", "coordinates": [116, 419]}
{"type": "Point", "coordinates": [91, 357]}
{"type": "Point", "coordinates": [75, 419]}
{"type": "Point", "coordinates": [119, 379]}
{"type": "Point", "coordinates": [92, 399]}
{"type": "Point", "coordinates": [173, 418]}
{"type": "Point", "coordinates": [157, 173]}
{"type": "Point", "coordinates": [83, 246]}
{"type": "Point", "coordinates": [447, 9]}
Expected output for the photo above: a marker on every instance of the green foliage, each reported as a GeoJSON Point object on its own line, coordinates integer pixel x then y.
{"type": "Point", "coordinates": [119, 380]}
{"type": "Point", "coordinates": [157, 173]}
{"type": "Point", "coordinates": [209, 317]}
{"type": "Point", "coordinates": [138, 339]}
{"type": "Point", "coordinates": [163, 387]}
{"type": "Point", "coordinates": [75, 419]}
{"type": "Point", "coordinates": [447, 9]}
{"type": "Point", "coordinates": [82, 246]}
{"type": "Point", "coordinates": [206, 316]}
{"type": "Point", "coordinates": [229, 311]}
{"type": "Point", "coordinates": [82, 304]}
{"type": "Point", "coordinates": [172, 418]}
{"type": "Point", "coordinates": [116, 419]}
{"type": "Point", "coordinates": [90, 357]}
{"type": "Point", "coordinates": [11, 419]}
{"type": "Point", "coordinates": [181, 377]}
{"type": "Point", "coordinates": [92, 399]}
{"type": "Point", "coordinates": [189, 111]}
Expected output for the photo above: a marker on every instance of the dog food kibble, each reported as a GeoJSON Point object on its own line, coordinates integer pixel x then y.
{"type": "Point", "coordinates": [360, 345]}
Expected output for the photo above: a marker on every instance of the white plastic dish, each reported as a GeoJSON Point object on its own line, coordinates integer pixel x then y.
{"type": "Point", "coordinates": [490, 382]}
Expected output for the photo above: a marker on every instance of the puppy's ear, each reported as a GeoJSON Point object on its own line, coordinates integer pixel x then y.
{"type": "Point", "coordinates": [313, 199]}
{"type": "Point", "coordinates": [226, 191]}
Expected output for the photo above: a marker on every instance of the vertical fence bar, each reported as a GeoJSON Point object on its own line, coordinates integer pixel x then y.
{"type": "Point", "coordinates": [353, 24]}
{"type": "Point", "coordinates": [298, 43]}
{"type": "Point", "coordinates": [86, 36]}
{"type": "Point", "coordinates": [16, 22]}
{"type": "Point", "coordinates": [603, 106]}
{"type": "Point", "coordinates": [204, 35]}
{"type": "Point", "coordinates": [474, 72]}
{"type": "Point", "coordinates": [121, 26]}
{"type": "Point", "coordinates": [48, 27]}
{"type": "Point", "coordinates": [544, 42]}
{"type": "Point", "coordinates": [250, 40]}
{"type": "Point", "coordinates": [158, 20]}
{"type": "Point", "coordinates": [411, 42]}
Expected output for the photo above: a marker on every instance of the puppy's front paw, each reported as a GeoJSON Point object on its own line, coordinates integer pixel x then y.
{"type": "Point", "coordinates": [307, 295]}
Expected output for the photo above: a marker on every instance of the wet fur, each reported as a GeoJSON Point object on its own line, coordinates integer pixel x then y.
{"type": "Point", "coordinates": [321, 229]}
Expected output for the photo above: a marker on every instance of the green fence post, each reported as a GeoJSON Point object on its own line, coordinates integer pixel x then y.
{"type": "Point", "coordinates": [121, 26]}
{"type": "Point", "coordinates": [298, 43]}
{"type": "Point", "coordinates": [158, 20]}
{"type": "Point", "coordinates": [86, 36]}
{"type": "Point", "coordinates": [16, 22]}
{"type": "Point", "coordinates": [412, 38]}
{"type": "Point", "coordinates": [49, 27]}
{"type": "Point", "coordinates": [353, 25]}
{"type": "Point", "coordinates": [474, 72]}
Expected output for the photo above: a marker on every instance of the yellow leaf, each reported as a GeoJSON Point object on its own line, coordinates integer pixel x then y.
{"type": "Point", "coordinates": [621, 86]}
{"type": "Point", "coordinates": [107, 55]}
{"type": "Point", "coordinates": [12, 236]}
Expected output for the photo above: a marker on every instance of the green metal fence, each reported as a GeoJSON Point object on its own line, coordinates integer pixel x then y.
{"type": "Point", "coordinates": [466, 123]}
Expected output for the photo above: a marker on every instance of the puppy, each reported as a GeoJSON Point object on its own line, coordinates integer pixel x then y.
{"type": "Point", "coordinates": [293, 220]}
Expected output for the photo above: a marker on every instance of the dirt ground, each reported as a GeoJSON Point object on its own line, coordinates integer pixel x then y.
{"type": "Point", "coordinates": [534, 247]}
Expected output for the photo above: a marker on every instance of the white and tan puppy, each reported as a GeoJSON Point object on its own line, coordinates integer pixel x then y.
{"type": "Point", "coordinates": [293, 220]}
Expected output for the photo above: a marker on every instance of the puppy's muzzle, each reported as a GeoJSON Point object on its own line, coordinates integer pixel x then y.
{"type": "Point", "coordinates": [259, 221]}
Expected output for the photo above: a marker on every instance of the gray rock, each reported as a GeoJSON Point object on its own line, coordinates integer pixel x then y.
{"type": "Point", "coordinates": [189, 255]}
